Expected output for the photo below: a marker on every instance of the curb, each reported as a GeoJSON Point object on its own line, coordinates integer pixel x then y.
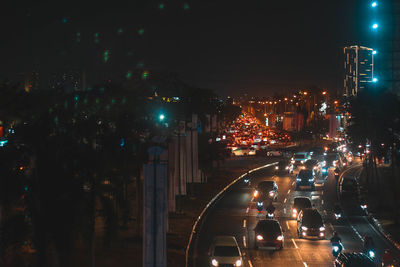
{"type": "Point", "coordinates": [212, 202]}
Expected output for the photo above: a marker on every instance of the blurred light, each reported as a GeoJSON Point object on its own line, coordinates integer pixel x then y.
{"type": "Point", "coordinates": [374, 4]}
{"type": "Point", "coordinates": [375, 26]}
{"type": "Point", "coordinates": [374, 52]}
{"type": "Point", "coordinates": [161, 117]}
{"type": "Point", "coordinates": [375, 80]}
{"type": "Point", "coordinates": [305, 93]}
{"type": "Point", "coordinates": [324, 93]}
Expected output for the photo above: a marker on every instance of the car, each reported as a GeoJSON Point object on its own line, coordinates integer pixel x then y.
{"type": "Point", "coordinates": [241, 151]}
{"type": "Point", "coordinates": [310, 224]}
{"type": "Point", "coordinates": [266, 190]}
{"type": "Point", "coordinates": [305, 178]}
{"type": "Point", "coordinates": [299, 158]}
{"type": "Point", "coordinates": [225, 251]}
{"type": "Point", "coordinates": [274, 153]}
{"type": "Point", "coordinates": [269, 235]}
{"type": "Point", "coordinates": [252, 151]}
{"type": "Point", "coordinates": [353, 259]}
{"type": "Point", "coordinates": [348, 187]}
{"type": "Point", "coordinates": [284, 166]}
{"type": "Point", "coordinates": [313, 164]}
{"type": "Point", "coordinates": [331, 159]}
{"type": "Point", "coordinates": [300, 203]}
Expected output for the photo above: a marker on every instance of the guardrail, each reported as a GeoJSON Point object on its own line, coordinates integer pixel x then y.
{"type": "Point", "coordinates": [211, 202]}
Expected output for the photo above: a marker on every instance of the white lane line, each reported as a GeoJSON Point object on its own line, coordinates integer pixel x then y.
{"type": "Point", "coordinates": [250, 264]}
{"type": "Point", "coordinates": [322, 192]}
{"type": "Point", "coordinates": [244, 241]}
{"type": "Point", "coordinates": [294, 243]}
{"type": "Point", "coordinates": [322, 202]}
{"type": "Point", "coordinates": [285, 200]}
{"type": "Point", "coordinates": [357, 233]}
{"type": "Point", "coordinates": [293, 183]}
{"type": "Point", "coordinates": [305, 264]}
{"type": "Point", "coordinates": [247, 211]}
{"type": "Point", "coordinates": [288, 192]}
{"type": "Point", "coordinates": [244, 223]}
{"type": "Point", "coordinates": [284, 210]}
{"type": "Point", "coordinates": [287, 224]}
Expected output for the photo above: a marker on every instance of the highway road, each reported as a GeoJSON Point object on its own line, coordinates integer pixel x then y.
{"type": "Point", "coordinates": [235, 214]}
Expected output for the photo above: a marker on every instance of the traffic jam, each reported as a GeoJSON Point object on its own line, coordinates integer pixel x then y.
{"type": "Point", "coordinates": [300, 200]}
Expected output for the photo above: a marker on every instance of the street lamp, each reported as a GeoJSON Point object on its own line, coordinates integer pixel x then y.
{"type": "Point", "coordinates": [161, 117]}
{"type": "Point", "coordinates": [374, 4]}
{"type": "Point", "coordinates": [375, 80]}
{"type": "Point", "coordinates": [375, 26]}
{"type": "Point", "coordinates": [374, 52]}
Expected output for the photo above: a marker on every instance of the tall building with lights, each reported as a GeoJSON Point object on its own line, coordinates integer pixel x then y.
{"type": "Point", "coordinates": [358, 69]}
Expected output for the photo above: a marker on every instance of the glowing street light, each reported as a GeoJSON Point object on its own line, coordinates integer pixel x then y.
{"type": "Point", "coordinates": [375, 26]}
{"type": "Point", "coordinates": [161, 117]}
{"type": "Point", "coordinates": [374, 52]}
{"type": "Point", "coordinates": [374, 4]}
{"type": "Point", "coordinates": [375, 80]}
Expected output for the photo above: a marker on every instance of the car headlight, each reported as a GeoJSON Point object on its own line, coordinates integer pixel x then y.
{"type": "Point", "coordinates": [214, 262]}
{"type": "Point", "coordinates": [322, 229]}
{"type": "Point", "coordinates": [298, 179]}
{"type": "Point", "coordinates": [304, 228]}
{"type": "Point", "coordinates": [255, 194]}
{"type": "Point", "coordinates": [292, 161]}
{"type": "Point", "coordinates": [271, 193]}
{"type": "Point", "coordinates": [238, 263]}
{"type": "Point", "coordinates": [294, 210]}
{"type": "Point", "coordinates": [260, 237]}
{"type": "Point", "coordinates": [301, 162]}
{"type": "Point", "coordinates": [276, 167]}
{"type": "Point", "coordinates": [310, 180]}
{"type": "Point", "coordinates": [287, 167]}
{"type": "Point", "coordinates": [279, 238]}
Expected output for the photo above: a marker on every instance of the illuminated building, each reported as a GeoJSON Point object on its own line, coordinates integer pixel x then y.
{"type": "Point", "coordinates": [358, 69]}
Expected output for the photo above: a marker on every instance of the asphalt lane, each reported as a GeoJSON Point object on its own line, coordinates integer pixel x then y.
{"type": "Point", "coordinates": [235, 214]}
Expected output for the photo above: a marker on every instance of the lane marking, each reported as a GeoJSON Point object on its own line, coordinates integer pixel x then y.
{"type": "Point", "coordinates": [322, 202]}
{"type": "Point", "coordinates": [294, 243]}
{"type": "Point", "coordinates": [250, 264]}
{"type": "Point", "coordinates": [305, 264]}
{"type": "Point", "coordinates": [244, 223]}
{"type": "Point", "coordinates": [244, 241]}
{"type": "Point", "coordinates": [284, 210]}
{"type": "Point", "coordinates": [247, 211]}
{"type": "Point", "coordinates": [285, 200]}
{"type": "Point", "coordinates": [293, 183]}
{"type": "Point", "coordinates": [288, 192]}
{"type": "Point", "coordinates": [357, 233]}
{"type": "Point", "coordinates": [287, 224]}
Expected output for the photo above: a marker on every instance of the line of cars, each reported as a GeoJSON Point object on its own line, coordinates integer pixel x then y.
{"type": "Point", "coordinates": [268, 233]}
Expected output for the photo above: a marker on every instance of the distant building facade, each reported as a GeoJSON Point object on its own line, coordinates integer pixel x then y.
{"type": "Point", "coordinates": [358, 69]}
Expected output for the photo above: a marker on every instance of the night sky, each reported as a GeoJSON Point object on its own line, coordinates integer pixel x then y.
{"type": "Point", "coordinates": [234, 47]}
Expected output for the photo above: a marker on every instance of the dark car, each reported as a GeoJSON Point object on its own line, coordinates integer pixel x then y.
{"type": "Point", "coordinates": [266, 190]}
{"type": "Point", "coordinates": [283, 166]}
{"type": "Point", "coordinates": [331, 159]}
{"type": "Point", "coordinates": [268, 234]}
{"type": "Point", "coordinates": [312, 164]}
{"type": "Point", "coordinates": [310, 224]}
{"type": "Point", "coordinates": [305, 178]}
{"type": "Point", "coordinates": [299, 204]}
{"type": "Point", "coordinates": [353, 259]}
{"type": "Point", "coordinates": [348, 187]}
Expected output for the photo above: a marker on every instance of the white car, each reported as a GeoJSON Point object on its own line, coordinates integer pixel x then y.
{"type": "Point", "coordinates": [241, 151]}
{"type": "Point", "coordinates": [225, 251]}
{"type": "Point", "coordinates": [274, 153]}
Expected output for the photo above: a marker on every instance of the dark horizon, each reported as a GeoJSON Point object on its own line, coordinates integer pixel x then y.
{"type": "Point", "coordinates": [257, 48]}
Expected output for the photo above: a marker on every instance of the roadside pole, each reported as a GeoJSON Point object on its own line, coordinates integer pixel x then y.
{"type": "Point", "coordinates": [155, 207]}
